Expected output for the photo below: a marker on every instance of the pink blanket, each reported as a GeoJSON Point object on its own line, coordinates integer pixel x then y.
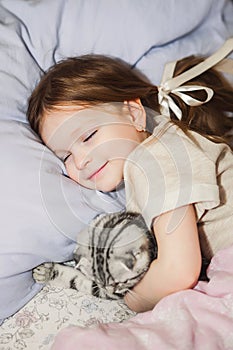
{"type": "Point", "coordinates": [201, 318]}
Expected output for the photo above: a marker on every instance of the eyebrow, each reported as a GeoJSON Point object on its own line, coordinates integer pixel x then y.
{"type": "Point", "coordinates": [77, 130]}
{"type": "Point", "coordinates": [63, 149]}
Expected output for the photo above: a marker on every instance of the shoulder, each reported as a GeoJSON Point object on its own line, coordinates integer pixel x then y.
{"type": "Point", "coordinates": [170, 144]}
{"type": "Point", "coordinates": [171, 159]}
{"type": "Point", "coordinates": [171, 169]}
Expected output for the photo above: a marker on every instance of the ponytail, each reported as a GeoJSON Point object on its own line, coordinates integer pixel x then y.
{"type": "Point", "coordinates": [212, 119]}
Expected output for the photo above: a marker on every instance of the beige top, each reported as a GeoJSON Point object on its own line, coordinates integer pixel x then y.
{"type": "Point", "coordinates": [169, 170]}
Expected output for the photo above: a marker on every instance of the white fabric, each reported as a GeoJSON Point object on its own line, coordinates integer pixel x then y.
{"type": "Point", "coordinates": [36, 325]}
{"type": "Point", "coordinates": [173, 171]}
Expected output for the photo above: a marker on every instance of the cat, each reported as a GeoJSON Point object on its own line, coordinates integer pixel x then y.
{"type": "Point", "coordinates": [112, 255]}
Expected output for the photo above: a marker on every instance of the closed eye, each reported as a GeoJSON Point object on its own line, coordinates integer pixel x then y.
{"type": "Point", "coordinates": [66, 157]}
{"type": "Point", "coordinates": [90, 136]}
{"type": "Point", "coordinates": [87, 138]}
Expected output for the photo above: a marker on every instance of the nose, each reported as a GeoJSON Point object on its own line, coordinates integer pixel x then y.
{"type": "Point", "coordinates": [81, 159]}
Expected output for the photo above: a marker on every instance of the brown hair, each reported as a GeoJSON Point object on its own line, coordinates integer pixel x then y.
{"type": "Point", "coordinates": [94, 79]}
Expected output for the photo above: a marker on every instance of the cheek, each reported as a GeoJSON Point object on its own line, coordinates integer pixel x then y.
{"type": "Point", "coordinates": [115, 149]}
{"type": "Point", "coordinates": [73, 174]}
{"type": "Point", "coordinates": [71, 171]}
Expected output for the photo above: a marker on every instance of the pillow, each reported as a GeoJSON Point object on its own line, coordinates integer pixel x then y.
{"type": "Point", "coordinates": [42, 211]}
{"type": "Point", "coordinates": [216, 23]}
{"type": "Point", "coordinates": [120, 28]}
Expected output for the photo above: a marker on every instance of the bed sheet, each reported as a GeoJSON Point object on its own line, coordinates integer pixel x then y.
{"type": "Point", "coordinates": [196, 319]}
{"type": "Point", "coordinates": [36, 325]}
{"type": "Point", "coordinates": [64, 319]}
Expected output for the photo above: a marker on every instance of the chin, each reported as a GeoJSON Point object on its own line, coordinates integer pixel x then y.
{"type": "Point", "coordinates": [108, 187]}
{"type": "Point", "coordinates": [105, 188]}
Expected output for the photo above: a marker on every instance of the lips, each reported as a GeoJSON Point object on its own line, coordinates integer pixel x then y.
{"type": "Point", "coordinates": [97, 172]}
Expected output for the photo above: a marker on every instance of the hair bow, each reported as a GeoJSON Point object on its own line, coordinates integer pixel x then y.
{"type": "Point", "coordinates": [175, 85]}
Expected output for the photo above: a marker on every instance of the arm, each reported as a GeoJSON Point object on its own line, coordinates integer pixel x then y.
{"type": "Point", "coordinates": [178, 264]}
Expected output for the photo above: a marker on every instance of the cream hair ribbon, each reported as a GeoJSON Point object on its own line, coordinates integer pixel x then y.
{"type": "Point", "coordinates": [174, 85]}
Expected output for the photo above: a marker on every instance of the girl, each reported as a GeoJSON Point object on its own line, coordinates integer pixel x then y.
{"type": "Point", "coordinates": [169, 144]}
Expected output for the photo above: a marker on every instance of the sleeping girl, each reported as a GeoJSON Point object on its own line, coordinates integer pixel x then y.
{"type": "Point", "coordinates": [169, 145]}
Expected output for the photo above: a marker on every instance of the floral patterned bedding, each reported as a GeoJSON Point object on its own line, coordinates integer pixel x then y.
{"type": "Point", "coordinates": [35, 326]}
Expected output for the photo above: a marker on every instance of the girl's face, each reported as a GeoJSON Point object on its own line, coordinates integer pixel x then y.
{"type": "Point", "coordinates": [94, 142]}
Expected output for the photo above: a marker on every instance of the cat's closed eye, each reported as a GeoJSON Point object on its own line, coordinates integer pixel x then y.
{"type": "Point", "coordinates": [130, 262]}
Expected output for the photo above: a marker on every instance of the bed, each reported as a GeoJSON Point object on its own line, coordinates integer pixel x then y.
{"type": "Point", "coordinates": [42, 211]}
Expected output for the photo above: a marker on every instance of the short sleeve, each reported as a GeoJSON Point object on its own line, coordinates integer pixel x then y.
{"type": "Point", "coordinates": [168, 172]}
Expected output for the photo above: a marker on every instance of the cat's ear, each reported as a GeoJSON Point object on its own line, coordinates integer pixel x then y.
{"type": "Point", "coordinates": [77, 256]}
{"type": "Point", "coordinates": [80, 254]}
{"type": "Point", "coordinates": [137, 114]}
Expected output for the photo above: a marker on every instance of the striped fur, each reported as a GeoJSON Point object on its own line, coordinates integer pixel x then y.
{"type": "Point", "coordinates": [112, 255]}
{"type": "Point", "coordinates": [115, 251]}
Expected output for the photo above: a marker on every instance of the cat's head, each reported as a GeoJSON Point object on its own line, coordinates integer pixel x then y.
{"type": "Point", "coordinates": [119, 251]}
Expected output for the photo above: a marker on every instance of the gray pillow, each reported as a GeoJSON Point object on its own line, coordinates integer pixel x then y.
{"type": "Point", "coordinates": [42, 212]}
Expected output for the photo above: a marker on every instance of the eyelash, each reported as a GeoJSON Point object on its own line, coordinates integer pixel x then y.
{"type": "Point", "coordinates": [66, 157]}
{"type": "Point", "coordinates": [85, 140]}
{"type": "Point", "coordinates": [90, 136]}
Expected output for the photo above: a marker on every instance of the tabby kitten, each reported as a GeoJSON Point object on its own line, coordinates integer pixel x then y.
{"type": "Point", "coordinates": [112, 255]}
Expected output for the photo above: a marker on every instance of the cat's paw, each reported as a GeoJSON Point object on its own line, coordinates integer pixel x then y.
{"type": "Point", "coordinates": [43, 273]}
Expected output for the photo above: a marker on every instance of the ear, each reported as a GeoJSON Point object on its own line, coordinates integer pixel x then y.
{"type": "Point", "coordinates": [137, 114]}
